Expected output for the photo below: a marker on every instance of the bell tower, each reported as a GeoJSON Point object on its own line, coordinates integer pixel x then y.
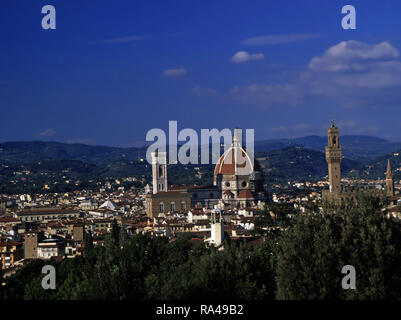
{"type": "Point", "coordinates": [217, 227]}
{"type": "Point", "coordinates": [159, 171]}
{"type": "Point", "coordinates": [333, 158]}
{"type": "Point", "coordinates": [389, 181]}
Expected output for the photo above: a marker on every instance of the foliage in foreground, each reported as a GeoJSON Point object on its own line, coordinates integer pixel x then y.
{"type": "Point", "coordinates": [303, 261]}
{"type": "Point", "coordinates": [358, 233]}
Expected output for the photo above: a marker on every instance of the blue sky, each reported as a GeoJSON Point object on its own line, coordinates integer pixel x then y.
{"type": "Point", "coordinates": [112, 70]}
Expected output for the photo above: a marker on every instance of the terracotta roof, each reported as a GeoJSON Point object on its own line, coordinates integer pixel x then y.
{"type": "Point", "coordinates": [185, 188]}
{"type": "Point", "coordinates": [246, 194]}
{"type": "Point", "coordinates": [227, 163]}
{"type": "Point", "coordinates": [8, 219]}
{"type": "Point", "coordinates": [47, 211]}
{"type": "Point", "coordinates": [170, 193]}
{"type": "Point", "coordinates": [10, 243]}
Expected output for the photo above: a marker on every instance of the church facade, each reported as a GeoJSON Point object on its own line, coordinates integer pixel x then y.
{"type": "Point", "coordinates": [238, 182]}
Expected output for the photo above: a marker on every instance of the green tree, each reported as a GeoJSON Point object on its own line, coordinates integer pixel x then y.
{"type": "Point", "coordinates": [359, 233]}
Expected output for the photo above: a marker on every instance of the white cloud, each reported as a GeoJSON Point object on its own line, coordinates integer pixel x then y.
{"type": "Point", "coordinates": [355, 73]}
{"type": "Point", "coordinates": [47, 133]}
{"type": "Point", "coordinates": [353, 56]}
{"type": "Point", "coordinates": [350, 73]}
{"type": "Point", "coordinates": [273, 39]}
{"type": "Point", "coordinates": [175, 72]}
{"type": "Point", "coordinates": [242, 56]}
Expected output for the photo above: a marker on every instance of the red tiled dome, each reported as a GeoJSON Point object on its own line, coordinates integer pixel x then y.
{"type": "Point", "coordinates": [227, 163]}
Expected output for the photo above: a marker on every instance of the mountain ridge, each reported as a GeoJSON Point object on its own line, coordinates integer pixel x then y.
{"type": "Point", "coordinates": [355, 147]}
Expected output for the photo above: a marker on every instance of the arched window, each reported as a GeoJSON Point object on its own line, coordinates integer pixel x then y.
{"type": "Point", "coordinates": [161, 207]}
{"type": "Point", "coordinates": [183, 206]}
{"type": "Point", "coordinates": [334, 141]}
{"type": "Point", "coordinates": [172, 206]}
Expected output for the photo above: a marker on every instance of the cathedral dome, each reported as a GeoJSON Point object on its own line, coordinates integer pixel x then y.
{"type": "Point", "coordinates": [234, 161]}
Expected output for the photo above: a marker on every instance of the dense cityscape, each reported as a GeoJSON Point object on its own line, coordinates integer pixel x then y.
{"type": "Point", "coordinates": [243, 208]}
{"type": "Point", "coordinates": [199, 158]}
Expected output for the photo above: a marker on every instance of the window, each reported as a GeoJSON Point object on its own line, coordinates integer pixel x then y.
{"type": "Point", "coordinates": [183, 206]}
{"type": "Point", "coordinates": [244, 184]}
{"type": "Point", "coordinates": [227, 184]}
{"type": "Point", "coordinates": [160, 171]}
{"type": "Point", "coordinates": [161, 207]}
{"type": "Point", "coordinates": [172, 206]}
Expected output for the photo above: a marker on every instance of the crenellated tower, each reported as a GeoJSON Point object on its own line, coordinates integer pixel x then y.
{"type": "Point", "coordinates": [333, 158]}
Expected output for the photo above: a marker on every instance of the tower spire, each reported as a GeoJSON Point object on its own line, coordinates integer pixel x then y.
{"type": "Point", "coordinates": [237, 137]}
{"type": "Point", "coordinates": [389, 172]}
{"type": "Point", "coordinates": [389, 180]}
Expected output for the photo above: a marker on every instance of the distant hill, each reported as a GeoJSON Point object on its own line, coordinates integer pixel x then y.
{"type": "Point", "coordinates": [27, 152]}
{"type": "Point", "coordinates": [378, 167]}
{"type": "Point", "coordinates": [28, 166]}
{"type": "Point", "coordinates": [360, 148]}
{"type": "Point", "coordinates": [296, 163]}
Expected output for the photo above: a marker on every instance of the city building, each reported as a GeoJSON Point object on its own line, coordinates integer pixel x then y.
{"type": "Point", "coordinates": [10, 252]}
{"type": "Point", "coordinates": [31, 241]}
{"type": "Point", "coordinates": [238, 176]}
{"type": "Point", "coordinates": [49, 248]}
{"type": "Point", "coordinates": [238, 182]}
{"type": "Point", "coordinates": [44, 214]}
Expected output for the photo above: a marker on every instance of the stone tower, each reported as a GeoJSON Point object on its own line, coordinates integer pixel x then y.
{"type": "Point", "coordinates": [333, 158]}
{"type": "Point", "coordinates": [159, 171]}
{"type": "Point", "coordinates": [217, 228]}
{"type": "Point", "coordinates": [389, 181]}
{"type": "Point", "coordinates": [31, 245]}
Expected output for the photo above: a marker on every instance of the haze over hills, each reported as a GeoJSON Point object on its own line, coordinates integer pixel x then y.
{"type": "Point", "coordinates": [297, 163]}
{"type": "Point", "coordinates": [360, 148]}
{"type": "Point", "coordinates": [300, 159]}
{"type": "Point", "coordinates": [30, 151]}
